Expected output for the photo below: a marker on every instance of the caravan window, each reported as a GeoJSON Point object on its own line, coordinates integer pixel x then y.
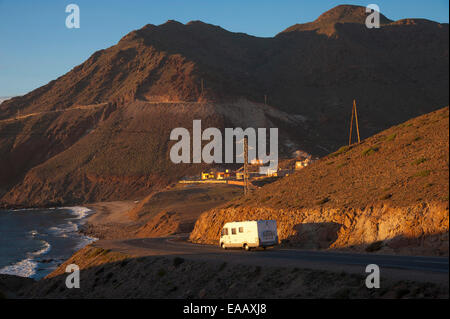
{"type": "Point", "coordinates": [233, 231]}
{"type": "Point", "coordinates": [241, 229]}
{"type": "Point", "coordinates": [224, 231]}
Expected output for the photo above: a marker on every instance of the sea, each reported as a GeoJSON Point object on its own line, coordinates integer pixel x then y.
{"type": "Point", "coordinates": [34, 242]}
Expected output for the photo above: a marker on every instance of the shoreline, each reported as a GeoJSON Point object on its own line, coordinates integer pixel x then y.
{"type": "Point", "coordinates": [36, 264]}
{"type": "Point", "coordinates": [109, 220]}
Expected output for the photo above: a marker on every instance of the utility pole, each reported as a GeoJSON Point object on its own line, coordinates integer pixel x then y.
{"type": "Point", "coordinates": [265, 99]}
{"type": "Point", "coordinates": [246, 186]}
{"type": "Point", "coordinates": [354, 115]}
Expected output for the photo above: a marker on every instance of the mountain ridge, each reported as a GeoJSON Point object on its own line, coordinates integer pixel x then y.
{"type": "Point", "coordinates": [396, 72]}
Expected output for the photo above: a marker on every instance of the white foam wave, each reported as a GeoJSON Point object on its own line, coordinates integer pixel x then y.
{"type": "Point", "coordinates": [26, 267]}
{"type": "Point", "coordinates": [63, 230]}
{"type": "Point", "coordinates": [45, 249]}
{"type": "Point", "coordinates": [79, 211]}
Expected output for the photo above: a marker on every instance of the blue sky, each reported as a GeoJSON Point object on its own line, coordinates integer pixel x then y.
{"type": "Point", "coordinates": [36, 47]}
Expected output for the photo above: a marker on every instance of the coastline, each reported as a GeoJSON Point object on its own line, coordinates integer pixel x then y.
{"type": "Point", "coordinates": [109, 220]}
{"type": "Point", "coordinates": [99, 260]}
{"type": "Point", "coordinates": [92, 221]}
{"type": "Point", "coordinates": [54, 241]}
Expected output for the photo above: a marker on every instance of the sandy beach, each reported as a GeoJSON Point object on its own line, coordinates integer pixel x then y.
{"type": "Point", "coordinates": [110, 220]}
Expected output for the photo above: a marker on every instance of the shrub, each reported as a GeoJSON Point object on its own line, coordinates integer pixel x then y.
{"type": "Point", "coordinates": [341, 150]}
{"type": "Point", "coordinates": [341, 165]}
{"type": "Point", "coordinates": [391, 137]}
{"type": "Point", "coordinates": [419, 161]}
{"type": "Point", "coordinates": [422, 173]}
{"type": "Point", "coordinates": [370, 150]}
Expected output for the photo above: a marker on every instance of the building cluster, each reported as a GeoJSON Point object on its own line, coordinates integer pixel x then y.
{"type": "Point", "coordinates": [303, 163]}
{"type": "Point", "coordinates": [227, 174]}
{"type": "Point", "coordinates": [224, 174]}
{"type": "Point", "coordinates": [303, 160]}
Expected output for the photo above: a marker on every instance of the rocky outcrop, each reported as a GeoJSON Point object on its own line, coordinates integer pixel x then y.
{"type": "Point", "coordinates": [420, 229]}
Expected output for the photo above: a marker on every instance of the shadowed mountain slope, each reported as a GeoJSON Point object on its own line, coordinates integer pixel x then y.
{"type": "Point", "coordinates": [309, 77]}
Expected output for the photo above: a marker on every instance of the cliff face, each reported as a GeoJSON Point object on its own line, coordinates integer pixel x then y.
{"type": "Point", "coordinates": [310, 72]}
{"type": "Point", "coordinates": [390, 193]}
{"type": "Point", "coordinates": [421, 229]}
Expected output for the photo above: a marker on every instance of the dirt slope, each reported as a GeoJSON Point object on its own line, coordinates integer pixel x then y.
{"type": "Point", "coordinates": [391, 190]}
{"type": "Point", "coordinates": [170, 211]}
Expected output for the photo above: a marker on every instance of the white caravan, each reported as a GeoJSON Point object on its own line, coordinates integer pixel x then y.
{"type": "Point", "coordinates": [249, 234]}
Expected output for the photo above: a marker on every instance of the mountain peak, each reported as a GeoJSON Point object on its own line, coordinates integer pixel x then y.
{"type": "Point", "coordinates": [340, 14]}
{"type": "Point", "coordinates": [346, 14]}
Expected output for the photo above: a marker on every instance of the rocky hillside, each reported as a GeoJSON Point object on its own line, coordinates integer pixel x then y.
{"type": "Point", "coordinates": [109, 152]}
{"type": "Point", "coordinates": [100, 132]}
{"type": "Point", "coordinates": [389, 194]}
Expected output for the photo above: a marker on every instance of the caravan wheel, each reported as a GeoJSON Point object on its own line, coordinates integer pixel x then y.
{"type": "Point", "coordinates": [246, 247]}
{"type": "Point", "coordinates": [223, 246]}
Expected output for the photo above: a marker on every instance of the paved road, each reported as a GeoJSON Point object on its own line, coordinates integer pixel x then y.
{"type": "Point", "coordinates": [279, 256]}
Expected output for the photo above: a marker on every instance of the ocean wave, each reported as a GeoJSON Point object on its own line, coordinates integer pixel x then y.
{"type": "Point", "coordinates": [27, 267]}
{"type": "Point", "coordinates": [63, 229]}
{"type": "Point", "coordinates": [79, 211]}
{"type": "Point", "coordinates": [45, 249]}
{"type": "Point", "coordinates": [24, 268]}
